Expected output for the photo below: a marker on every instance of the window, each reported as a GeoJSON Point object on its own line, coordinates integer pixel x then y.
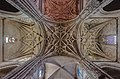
{"type": "Point", "coordinates": [111, 39]}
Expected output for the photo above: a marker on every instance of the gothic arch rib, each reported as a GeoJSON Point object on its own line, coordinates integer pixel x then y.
{"type": "Point", "coordinates": [28, 8]}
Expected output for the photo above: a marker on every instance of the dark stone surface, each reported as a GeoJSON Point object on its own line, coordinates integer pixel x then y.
{"type": "Point", "coordinates": [5, 6]}
{"type": "Point", "coordinates": [114, 5]}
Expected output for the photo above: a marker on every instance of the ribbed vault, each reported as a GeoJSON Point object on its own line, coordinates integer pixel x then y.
{"type": "Point", "coordinates": [92, 37]}
{"type": "Point", "coordinates": [61, 41]}
{"type": "Point", "coordinates": [60, 10]}
{"type": "Point", "coordinates": [21, 38]}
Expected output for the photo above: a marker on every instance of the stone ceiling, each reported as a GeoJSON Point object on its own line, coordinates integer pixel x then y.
{"type": "Point", "coordinates": [60, 37]}
{"type": "Point", "coordinates": [61, 10]}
